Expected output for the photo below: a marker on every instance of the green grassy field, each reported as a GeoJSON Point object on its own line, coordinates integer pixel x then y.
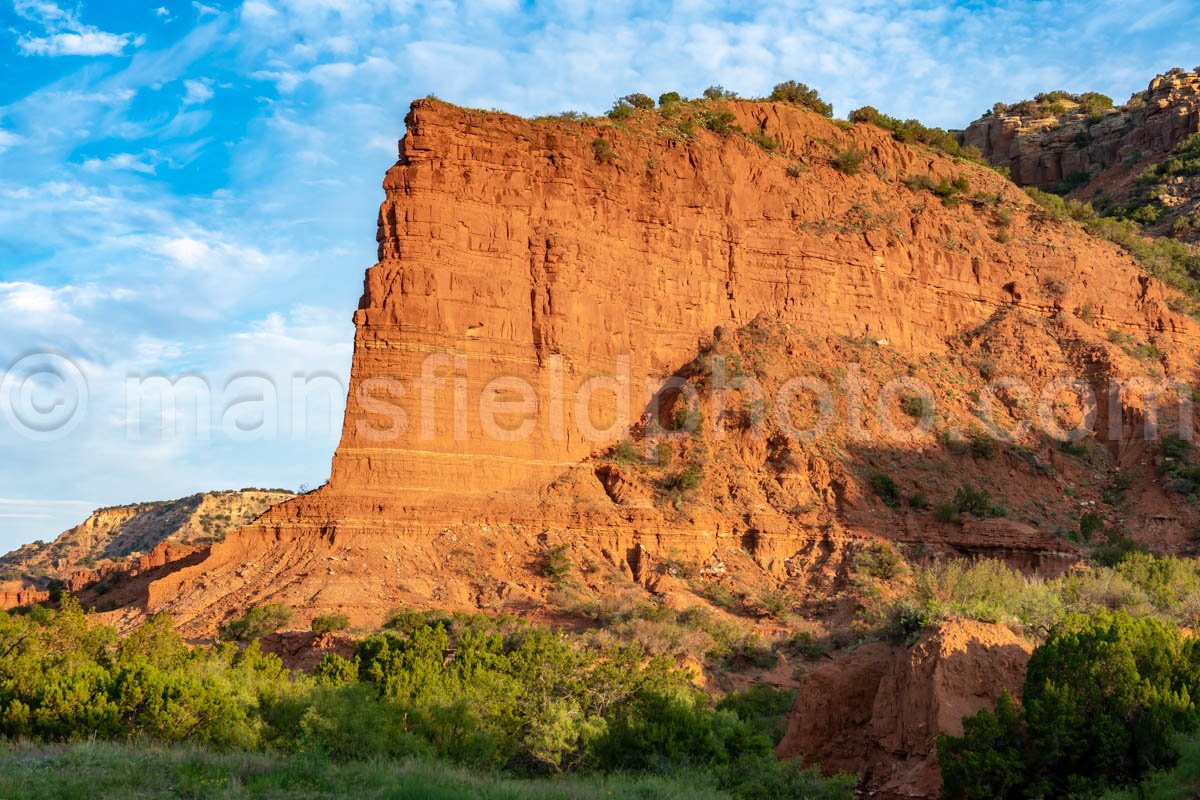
{"type": "Point", "coordinates": [101, 771]}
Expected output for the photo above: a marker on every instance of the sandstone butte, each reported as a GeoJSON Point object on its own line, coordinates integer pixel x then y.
{"type": "Point", "coordinates": [550, 250]}
{"type": "Point", "coordinates": [527, 249]}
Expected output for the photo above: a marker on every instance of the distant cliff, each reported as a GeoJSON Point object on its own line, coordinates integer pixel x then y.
{"type": "Point", "coordinates": [110, 537]}
{"type": "Point", "coordinates": [1110, 155]}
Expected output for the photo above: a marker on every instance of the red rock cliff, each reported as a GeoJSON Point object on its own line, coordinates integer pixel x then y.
{"type": "Point", "coordinates": [555, 252]}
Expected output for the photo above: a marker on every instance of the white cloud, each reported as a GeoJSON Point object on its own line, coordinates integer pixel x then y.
{"type": "Point", "coordinates": [41, 11]}
{"type": "Point", "coordinates": [120, 161]}
{"type": "Point", "coordinates": [197, 92]}
{"type": "Point", "coordinates": [256, 12]}
{"type": "Point", "coordinates": [66, 34]}
{"type": "Point", "coordinates": [89, 42]}
{"type": "Point", "coordinates": [8, 139]}
{"type": "Point", "coordinates": [35, 306]}
{"type": "Point", "coordinates": [32, 301]}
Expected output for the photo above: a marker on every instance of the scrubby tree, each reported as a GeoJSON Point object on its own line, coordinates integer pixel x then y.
{"type": "Point", "coordinates": [801, 95]}
{"type": "Point", "coordinates": [989, 759]}
{"type": "Point", "coordinates": [1105, 698]}
{"type": "Point", "coordinates": [642, 102]}
{"type": "Point", "coordinates": [256, 623]}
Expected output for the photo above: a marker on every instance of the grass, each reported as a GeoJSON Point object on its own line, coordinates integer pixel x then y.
{"type": "Point", "coordinates": [97, 771]}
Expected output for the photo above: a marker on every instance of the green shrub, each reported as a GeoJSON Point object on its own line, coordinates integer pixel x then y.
{"type": "Point", "coordinates": [764, 141]}
{"type": "Point", "coordinates": [764, 707]}
{"type": "Point", "coordinates": [848, 160]}
{"type": "Point", "coordinates": [669, 98]}
{"type": "Point", "coordinates": [886, 488]}
{"type": "Point", "coordinates": [679, 728]}
{"type": "Point", "coordinates": [620, 111]}
{"type": "Point", "coordinates": [879, 561]}
{"type": "Point", "coordinates": [626, 452]}
{"type": "Point", "coordinates": [982, 444]}
{"type": "Point", "coordinates": [497, 695]}
{"type": "Point", "coordinates": [407, 621]}
{"type": "Point", "coordinates": [976, 502]}
{"type": "Point", "coordinates": [557, 563]}
{"type": "Point", "coordinates": [920, 183]}
{"type": "Point", "coordinates": [256, 623]}
{"type": "Point", "coordinates": [686, 479]}
{"type": "Point", "coordinates": [603, 151]}
{"type": "Point", "coordinates": [801, 95]}
{"type": "Point", "coordinates": [906, 621]}
{"type": "Point", "coordinates": [721, 123]}
{"type": "Point", "coordinates": [911, 131]}
{"type": "Point", "coordinates": [1089, 525]}
{"type": "Point", "coordinates": [868, 115]}
{"type": "Point", "coordinates": [1105, 698]}
{"type": "Point", "coordinates": [639, 101]}
{"type": "Point", "coordinates": [719, 92]}
{"type": "Point", "coordinates": [1071, 181]}
{"type": "Point", "coordinates": [1094, 102]}
{"type": "Point", "coordinates": [330, 623]}
{"type": "Point", "coordinates": [915, 405]}
{"type": "Point", "coordinates": [947, 512]}
{"type": "Point", "coordinates": [989, 759]}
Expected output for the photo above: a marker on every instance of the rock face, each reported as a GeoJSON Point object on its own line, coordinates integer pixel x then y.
{"type": "Point", "coordinates": [879, 710]}
{"type": "Point", "coordinates": [123, 538]}
{"type": "Point", "coordinates": [1101, 155]}
{"type": "Point", "coordinates": [527, 263]}
{"type": "Point", "coordinates": [1042, 148]}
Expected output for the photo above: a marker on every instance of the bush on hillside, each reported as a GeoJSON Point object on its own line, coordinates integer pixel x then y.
{"type": "Point", "coordinates": [801, 95]}
{"type": "Point", "coordinates": [330, 623]}
{"type": "Point", "coordinates": [848, 160]}
{"type": "Point", "coordinates": [256, 623]}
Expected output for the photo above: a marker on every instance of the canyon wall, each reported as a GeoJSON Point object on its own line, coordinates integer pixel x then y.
{"type": "Point", "coordinates": [523, 261]}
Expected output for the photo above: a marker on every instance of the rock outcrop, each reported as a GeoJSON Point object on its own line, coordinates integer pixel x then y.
{"type": "Point", "coordinates": [879, 710]}
{"type": "Point", "coordinates": [1044, 143]}
{"type": "Point", "coordinates": [128, 539]}
{"type": "Point", "coordinates": [524, 265]}
{"type": "Point", "coordinates": [1100, 154]}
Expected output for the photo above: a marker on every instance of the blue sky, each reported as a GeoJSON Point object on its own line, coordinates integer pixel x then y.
{"type": "Point", "coordinates": [190, 188]}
